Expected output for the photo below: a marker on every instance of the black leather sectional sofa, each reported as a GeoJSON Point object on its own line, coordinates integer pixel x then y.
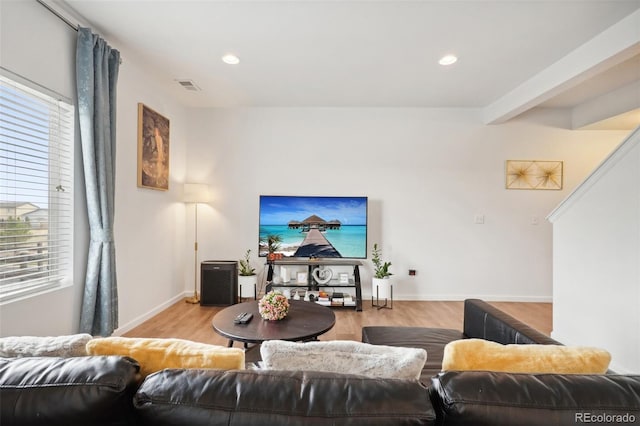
{"type": "Point", "coordinates": [489, 398]}
{"type": "Point", "coordinates": [106, 390]}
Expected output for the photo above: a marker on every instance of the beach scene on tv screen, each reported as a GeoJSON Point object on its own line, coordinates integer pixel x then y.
{"type": "Point", "coordinates": [314, 226]}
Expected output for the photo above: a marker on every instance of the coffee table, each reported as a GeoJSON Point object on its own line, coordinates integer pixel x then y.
{"type": "Point", "coordinates": [305, 321]}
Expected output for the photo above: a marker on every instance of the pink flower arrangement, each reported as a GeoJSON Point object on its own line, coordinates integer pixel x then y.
{"type": "Point", "coordinates": [273, 306]}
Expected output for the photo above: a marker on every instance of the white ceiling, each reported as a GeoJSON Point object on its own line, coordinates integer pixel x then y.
{"type": "Point", "coordinates": [357, 53]}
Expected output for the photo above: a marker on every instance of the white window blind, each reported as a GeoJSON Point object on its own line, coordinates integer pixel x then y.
{"type": "Point", "coordinates": [36, 190]}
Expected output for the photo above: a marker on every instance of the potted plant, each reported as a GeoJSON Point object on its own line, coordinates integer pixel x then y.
{"type": "Point", "coordinates": [381, 285]}
{"type": "Point", "coordinates": [273, 244]}
{"type": "Point", "coordinates": [247, 279]}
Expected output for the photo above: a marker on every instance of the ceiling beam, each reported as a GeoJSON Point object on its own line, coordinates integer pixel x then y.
{"type": "Point", "coordinates": [616, 44]}
{"type": "Point", "coordinates": [612, 104]}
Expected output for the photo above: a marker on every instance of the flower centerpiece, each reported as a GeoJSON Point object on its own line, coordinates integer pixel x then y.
{"type": "Point", "coordinates": [273, 306]}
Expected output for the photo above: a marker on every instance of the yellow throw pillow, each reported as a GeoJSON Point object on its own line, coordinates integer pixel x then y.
{"type": "Point", "coordinates": [157, 354]}
{"type": "Point", "coordinates": [478, 354]}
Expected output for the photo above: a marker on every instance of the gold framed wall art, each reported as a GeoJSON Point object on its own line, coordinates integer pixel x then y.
{"type": "Point", "coordinates": [533, 174]}
{"type": "Point", "coordinates": [153, 149]}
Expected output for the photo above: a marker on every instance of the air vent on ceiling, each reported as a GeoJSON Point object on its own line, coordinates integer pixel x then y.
{"type": "Point", "coordinates": [188, 85]}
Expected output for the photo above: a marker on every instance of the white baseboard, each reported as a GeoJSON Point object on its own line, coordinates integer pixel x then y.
{"type": "Point", "coordinates": [530, 299]}
{"type": "Point", "coordinates": [457, 297]}
{"type": "Point", "coordinates": [142, 318]}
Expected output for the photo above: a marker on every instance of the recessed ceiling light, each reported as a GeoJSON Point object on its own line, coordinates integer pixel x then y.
{"type": "Point", "coordinates": [448, 60]}
{"type": "Point", "coordinates": [230, 59]}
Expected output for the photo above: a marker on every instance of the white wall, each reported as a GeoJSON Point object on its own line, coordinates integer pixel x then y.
{"type": "Point", "coordinates": [37, 46]}
{"type": "Point", "coordinates": [427, 173]}
{"type": "Point", "coordinates": [596, 243]}
{"type": "Point", "coordinates": [149, 225]}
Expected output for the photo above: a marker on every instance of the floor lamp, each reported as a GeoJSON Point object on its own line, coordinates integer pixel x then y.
{"type": "Point", "coordinates": [195, 193]}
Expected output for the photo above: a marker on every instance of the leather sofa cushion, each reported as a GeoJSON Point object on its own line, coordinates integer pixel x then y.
{"type": "Point", "coordinates": [485, 321]}
{"type": "Point", "coordinates": [52, 391]}
{"type": "Point", "coordinates": [244, 397]}
{"type": "Point", "coordinates": [486, 398]}
{"type": "Point", "coordinates": [433, 340]}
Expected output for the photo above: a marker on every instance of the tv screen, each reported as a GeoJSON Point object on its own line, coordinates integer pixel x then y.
{"type": "Point", "coordinates": [300, 226]}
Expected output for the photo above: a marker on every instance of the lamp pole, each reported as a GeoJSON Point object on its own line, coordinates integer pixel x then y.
{"type": "Point", "coordinates": [195, 193]}
{"type": "Point", "coordinates": [195, 299]}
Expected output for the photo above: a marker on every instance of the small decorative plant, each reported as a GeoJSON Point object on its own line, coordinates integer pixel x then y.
{"type": "Point", "coordinates": [245, 267]}
{"type": "Point", "coordinates": [273, 306]}
{"type": "Point", "coordinates": [381, 269]}
{"type": "Point", "coordinates": [273, 244]}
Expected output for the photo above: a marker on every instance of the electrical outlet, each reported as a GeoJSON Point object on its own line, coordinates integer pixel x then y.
{"type": "Point", "coordinates": [478, 219]}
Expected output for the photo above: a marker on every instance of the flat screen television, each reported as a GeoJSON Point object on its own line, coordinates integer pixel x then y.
{"type": "Point", "coordinates": [314, 227]}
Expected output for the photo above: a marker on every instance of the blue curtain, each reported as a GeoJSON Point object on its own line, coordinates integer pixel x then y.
{"type": "Point", "coordinates": [96, 75]}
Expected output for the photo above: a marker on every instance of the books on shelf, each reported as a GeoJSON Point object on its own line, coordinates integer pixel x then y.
{"type": "Point", "coordinates": [324, 301]}
{"type": "Point", "coordinates": [340, 299]}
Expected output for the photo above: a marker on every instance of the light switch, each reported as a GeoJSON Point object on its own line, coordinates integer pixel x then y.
{"type": "Point", "coordinates": [478, 219]}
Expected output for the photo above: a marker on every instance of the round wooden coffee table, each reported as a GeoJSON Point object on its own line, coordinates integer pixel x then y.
{"type": "Point", "coordinates": [305, 321]}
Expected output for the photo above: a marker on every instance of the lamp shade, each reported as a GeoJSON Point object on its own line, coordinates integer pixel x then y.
{"type": "Point", "coordinates": [196, 193]}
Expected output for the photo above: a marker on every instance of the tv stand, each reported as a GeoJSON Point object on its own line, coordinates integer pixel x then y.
{"type": "Point", "coordinates": [311, 284]}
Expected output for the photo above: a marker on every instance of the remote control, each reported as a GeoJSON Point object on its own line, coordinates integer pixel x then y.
{"type": "Point", "coordinates": [238, 319]}
{"type": "Point", "coordinates": [246, 319]}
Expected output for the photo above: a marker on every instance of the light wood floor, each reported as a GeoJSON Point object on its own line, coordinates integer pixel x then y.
{"type": "Point", "coordinates": [193, 322]}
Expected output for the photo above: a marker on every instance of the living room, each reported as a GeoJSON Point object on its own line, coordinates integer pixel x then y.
{"type": "Point", "coordinates": [431, 172]}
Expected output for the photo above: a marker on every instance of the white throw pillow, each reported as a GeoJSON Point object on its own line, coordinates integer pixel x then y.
{"type": "Point", "coordinates": [345, 357]}
{"type": "Point", "coordinates": [60, 346]}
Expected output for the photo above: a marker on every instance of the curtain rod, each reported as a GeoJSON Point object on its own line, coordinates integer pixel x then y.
{"type": "Point", "coordinates": [55, 12]}
{"type": "Point", "coordinates": [62, 18]}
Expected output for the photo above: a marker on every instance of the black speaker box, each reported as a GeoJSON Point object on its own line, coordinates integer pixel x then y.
{"type": "Point", "coordinates": [218, 282]}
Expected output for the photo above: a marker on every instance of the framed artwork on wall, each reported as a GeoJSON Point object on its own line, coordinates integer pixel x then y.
{"type": "Point", "coordinates": [532, 174]}
{"type": "Point", "coordinates": [153, 149]}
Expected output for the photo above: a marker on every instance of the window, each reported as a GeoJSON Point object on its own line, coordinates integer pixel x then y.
{"type": "Point", "coordinates": [36, 190]}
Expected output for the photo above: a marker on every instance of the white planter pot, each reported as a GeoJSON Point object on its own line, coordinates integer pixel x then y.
{"type": "Point", "coordinates": [381, 288]}
{"type": "Point", "coordinates": [247, 285]}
